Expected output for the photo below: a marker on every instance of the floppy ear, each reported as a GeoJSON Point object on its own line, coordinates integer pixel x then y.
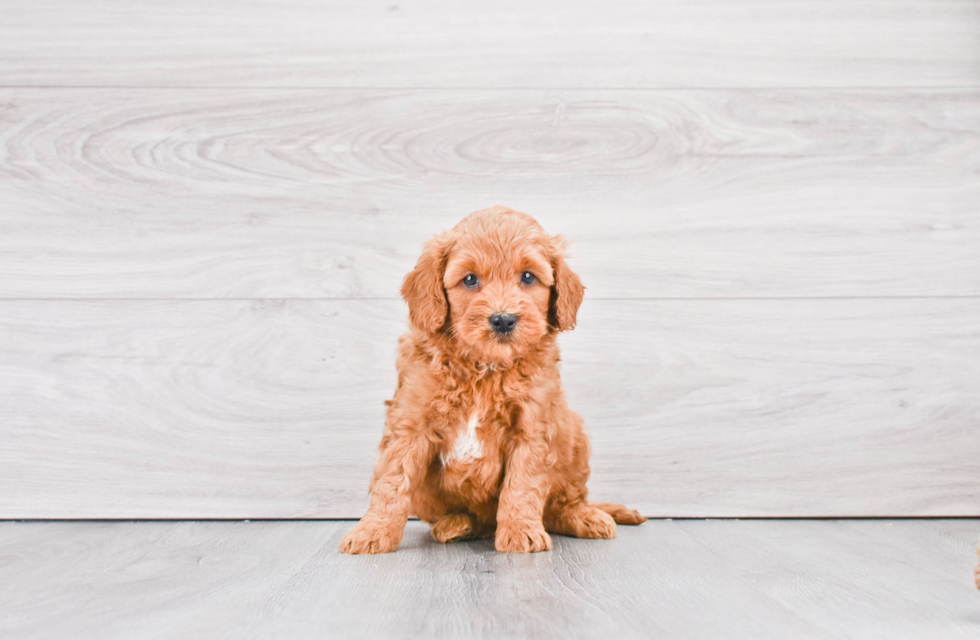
{"type": "Point", "coordinates": [567, 292]}
{"type": "Point", "coordinates": [423, 290]}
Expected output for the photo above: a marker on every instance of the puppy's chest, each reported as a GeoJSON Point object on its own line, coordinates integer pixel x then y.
{"type": "Point", "coordinates": [475, 441]}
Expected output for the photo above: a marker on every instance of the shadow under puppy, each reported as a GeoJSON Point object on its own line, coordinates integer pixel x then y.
{"type": "Point", "coordinates": [479, 438]}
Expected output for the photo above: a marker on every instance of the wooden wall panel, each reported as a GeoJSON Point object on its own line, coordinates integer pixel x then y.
{"type": "Point", "coordinates": [206, 211]}
{"type": "Point", "coordinates": [273, 409]}
{"type": "Point", "coordinates": [330, 194]}
{"type": "Point", "coordinates": [550, 43]}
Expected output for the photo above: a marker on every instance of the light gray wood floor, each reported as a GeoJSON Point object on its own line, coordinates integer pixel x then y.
{"type": "Point", "coordinates": [671, 579]}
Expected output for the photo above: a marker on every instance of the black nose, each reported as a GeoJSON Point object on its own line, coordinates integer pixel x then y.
{"type": "Point", "coordinates": [503, 322]}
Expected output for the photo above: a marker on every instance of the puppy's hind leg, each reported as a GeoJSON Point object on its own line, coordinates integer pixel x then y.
{"type": "Point", "coordinates": [582, 520]}
{"type": "Point", "coordinates": [620, 514]}
{"type": "Point", "coordinates": [455, 526]}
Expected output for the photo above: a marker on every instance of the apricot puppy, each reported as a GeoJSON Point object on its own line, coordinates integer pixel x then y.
{"type": "Point", "coordinates": [479, 439]}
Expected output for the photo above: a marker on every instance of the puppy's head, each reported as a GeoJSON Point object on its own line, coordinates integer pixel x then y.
{"type": "Point", "coordinates": [496, 284]}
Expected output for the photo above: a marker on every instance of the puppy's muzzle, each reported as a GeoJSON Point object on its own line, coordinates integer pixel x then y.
{"type": "Point", "coordinates": [503, 323]}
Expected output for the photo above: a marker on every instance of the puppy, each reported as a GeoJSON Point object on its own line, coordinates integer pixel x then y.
{"type": "Point", "coordinates": [479, 439]}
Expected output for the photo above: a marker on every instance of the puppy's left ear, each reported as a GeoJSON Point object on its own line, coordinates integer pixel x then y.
{"type": "Point", "coordinates": [567, 292]}
{"type": "Point", "coordinates": [422, 289]}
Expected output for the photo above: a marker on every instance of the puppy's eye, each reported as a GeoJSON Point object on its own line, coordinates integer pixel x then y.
{"type": "Point", "coordinates": [471, 281]}
{"type": "Point", "coordinates": [528, 278]}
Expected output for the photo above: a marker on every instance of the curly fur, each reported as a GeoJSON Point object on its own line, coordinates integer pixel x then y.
{"type": "Point", "coordinates": [479, 439]}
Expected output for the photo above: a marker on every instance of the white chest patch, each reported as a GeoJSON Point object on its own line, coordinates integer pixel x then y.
{"type": "Point", "coordinates": [467, 445]}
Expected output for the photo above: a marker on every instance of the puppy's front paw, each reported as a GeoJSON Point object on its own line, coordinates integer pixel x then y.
{"type": "Point", "coordinates": [522, 537]}
{"type": "Point", "coordinates": [371, 536]}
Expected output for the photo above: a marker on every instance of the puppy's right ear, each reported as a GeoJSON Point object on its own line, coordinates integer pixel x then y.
{"type": "Point", "coordinates": [422, 289]}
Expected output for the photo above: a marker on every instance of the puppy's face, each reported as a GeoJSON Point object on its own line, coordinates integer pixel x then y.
{"type": "Point", "coordinates": [496, 284]}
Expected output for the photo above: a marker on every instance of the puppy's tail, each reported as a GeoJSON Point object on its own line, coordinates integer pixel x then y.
{"type": "Point", "coordinates": [620, 514]}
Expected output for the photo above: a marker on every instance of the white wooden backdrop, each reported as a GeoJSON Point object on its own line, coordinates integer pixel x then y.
{"type": "Point", "coordinates": [206, 210]}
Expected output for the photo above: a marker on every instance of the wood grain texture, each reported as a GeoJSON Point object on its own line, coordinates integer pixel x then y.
{"type": "Point", "coordinates": [676, 579]}
{"type": "Point", "coordinates": [625, 43]}
{"type": "Point", "coordinates": [206, 210]}
{"type": "Point", "coordinates": [330, 194]}
{"type": "Point", "coordinates": [273, 409]}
